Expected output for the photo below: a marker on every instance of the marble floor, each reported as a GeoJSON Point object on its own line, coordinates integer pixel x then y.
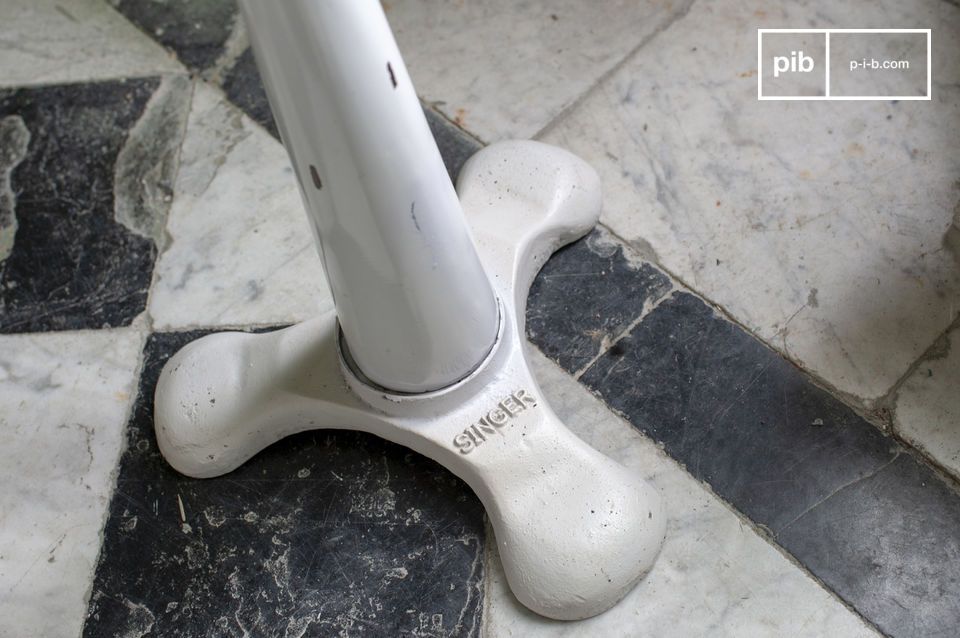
{"type": "Point", "coordinates": [765, 325]}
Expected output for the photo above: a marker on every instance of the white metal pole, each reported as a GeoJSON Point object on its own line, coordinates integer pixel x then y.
{"type": "Point", "coordinates": [414, 303]}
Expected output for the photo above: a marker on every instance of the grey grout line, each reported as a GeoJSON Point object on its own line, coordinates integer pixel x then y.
{"type": "Point", "coordinates": [572, 106]}
{"type": "Point", "coordinates": [433, 108]}
{"type": "Point", "coordinates": [605, 344]}
{"type": "Point", "coordinates": [237, 42]}
{"type": "Point", "coordinates": [889, 400]}
{"type": "Point", "coordinates": [922, 457]}
{"type": "Point", "coordinates": [889, 404]}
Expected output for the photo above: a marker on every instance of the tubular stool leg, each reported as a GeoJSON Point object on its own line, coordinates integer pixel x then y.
{"type": "Point", "coordinates": [425, 348]}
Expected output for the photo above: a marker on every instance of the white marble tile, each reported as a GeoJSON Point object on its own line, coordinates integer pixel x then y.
{"type": "Point", "coordinates": [818, 225]}
{"type": "Point", "coordinates": [504, 69]}
{"type": "Point", "coordinates": [714, 577]}
{"type": "Point", "coordinates": [927, 409]}
{"type": "Point", "coordinates": [64, 401]}
{"type": "Point", "coordinates": [240, 250]}
{"type": "Point", "coordinates": [51, 41]}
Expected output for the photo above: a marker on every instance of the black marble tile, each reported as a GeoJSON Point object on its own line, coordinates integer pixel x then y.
{"type": "Point", "coordinates": [586, 295]}
{"type": "Point", "coordinates": [243, 87]}
{"type": "Point", "coordinates": [326, 533]}
{"type": "Point", "coordinates": [846, 501]}
{"type": "Point", "coordinates": [69, 263]}
{"type": "Point", "coordinates": [196, 30]}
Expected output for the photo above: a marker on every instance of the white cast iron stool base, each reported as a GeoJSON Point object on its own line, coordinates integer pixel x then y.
{"type": "Point", "coordinates": [575, 530]}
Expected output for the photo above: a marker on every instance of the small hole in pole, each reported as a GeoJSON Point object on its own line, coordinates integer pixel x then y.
{"type": "Point", "coordinates": [393, 77]}
{"type": "Point", "coordinates": [315, 176]}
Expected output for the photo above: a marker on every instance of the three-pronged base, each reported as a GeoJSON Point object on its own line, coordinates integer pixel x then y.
{"type": "Point", "coordinates": [575, 530]}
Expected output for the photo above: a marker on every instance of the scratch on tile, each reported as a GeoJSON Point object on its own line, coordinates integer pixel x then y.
{"type": "Point", "coordinates": [843, 487]}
